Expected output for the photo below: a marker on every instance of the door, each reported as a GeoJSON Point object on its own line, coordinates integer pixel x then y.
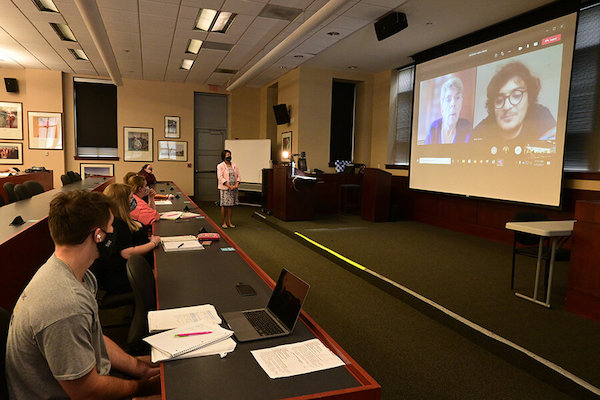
{"type": "Point", "coordinates": [210, 130]}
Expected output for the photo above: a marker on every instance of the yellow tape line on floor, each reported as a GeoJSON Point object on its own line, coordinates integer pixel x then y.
{"type": "Point", "coordinates": [338, 255]}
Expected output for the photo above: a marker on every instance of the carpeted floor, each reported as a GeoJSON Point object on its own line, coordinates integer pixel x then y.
{"type": "Point", "coordinates": [412, 351]}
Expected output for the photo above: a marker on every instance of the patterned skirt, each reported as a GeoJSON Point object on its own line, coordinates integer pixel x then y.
{"type": "Point", "coordinates": [229, 198]}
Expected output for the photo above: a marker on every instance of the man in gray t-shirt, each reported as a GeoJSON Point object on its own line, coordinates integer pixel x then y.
{"type": "Point", "coordinates": [55, 347]}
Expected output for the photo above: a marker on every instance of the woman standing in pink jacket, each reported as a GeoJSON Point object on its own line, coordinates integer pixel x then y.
{"type": "Point", "coordinates": [228, 180]}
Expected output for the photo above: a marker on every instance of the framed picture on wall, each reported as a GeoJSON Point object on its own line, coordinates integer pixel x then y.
{"type": "Point", "coordinates": [172, 150]}
{"type": "Point", "coordinates": [11, 120]}
{"type": "Point", "coordinates": [172, 129]}
{"type": "Point", "coordinates": [138, 144]}
{"type": "Point", "coordinates": [87, 170]}
{"type": "Point", "coordinates": [286, 146]}
{"type": "Point", "coordinates": [45, 130]}
{"type": "Point", "coordinates": [11, 153]}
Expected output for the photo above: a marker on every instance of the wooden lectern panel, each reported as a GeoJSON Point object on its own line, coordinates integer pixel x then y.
{"type": "Point", "coordinates": [583, 289]}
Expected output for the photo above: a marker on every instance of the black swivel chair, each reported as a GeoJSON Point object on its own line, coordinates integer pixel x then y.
{"type": "Point", "coordinates": [34, 187]}
{"type": "Point", "coordinates": [527, 245]}
{"type": "Point", "coordinates": [2, 201]}
{"type": "Point", "coordinates": [4, 323]}
{"type": "Point", "coordinates": [74, 176]}
{"type": "Point", "coordinates": [22, 192]}
{"type": "Point", "coordinates": [9, 189]}
{"type": "Point", "coordinates": [141, 279]}
{"type": "Point", "coordinates": [65, 179]}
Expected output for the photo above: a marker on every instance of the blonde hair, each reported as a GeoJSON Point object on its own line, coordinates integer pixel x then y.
{"type": "Point", "coordinates": [136, 182]}
{"type": "Point", "coordinates": [127, 176]}
{"type": "Point", "coordinates": [119, 194]}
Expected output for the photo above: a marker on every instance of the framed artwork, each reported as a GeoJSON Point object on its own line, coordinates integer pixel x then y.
{"type": "Point", "coordinates": [11, 153]}
{"type": "Point", "coordinates": [45, 130]}
{"type": "Point", "coordinates": [286, 146]}
{"type": "Point", "coordinates": [11, 120]}
{"type": "Point", "coordinates": [87, 170]}
{"type": "Point", "coordinates": [172, 127]}
{"type": "Point", "coordinates": [172, 150]}
{"type": "Point", "coordinates": [138, 144]}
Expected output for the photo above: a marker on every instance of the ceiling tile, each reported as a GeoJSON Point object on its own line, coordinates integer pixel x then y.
{"type": "Point", "coordinates": [160, 9]}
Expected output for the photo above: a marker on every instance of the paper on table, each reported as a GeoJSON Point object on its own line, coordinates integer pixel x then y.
{"type": "Point", "coordinates": [162, 320]}
{"type": "Point", "coordinates": [173, 215]}
{"type": "Point", "coordinates": [296, 359]}
{"type": "Point", "coordinates": [221, 348]}
{"type": "Point", "coordinates": [177, 238]}
{"type": "Point", "coordinates": [163, 202]}
{"type": "Point", "coordinates": [169, 343]}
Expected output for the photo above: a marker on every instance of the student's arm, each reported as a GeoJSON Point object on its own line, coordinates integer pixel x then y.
{"type": "Point", "coordinates": [127, 364]}
{"type": "Point", "coordinates": [151, 200]}
{"type": "Point", "coordinates": [99, 387]}
{"type": "Point", "coordinates": [141, 249]}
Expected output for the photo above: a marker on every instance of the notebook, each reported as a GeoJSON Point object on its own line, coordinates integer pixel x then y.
{"type": "Point", "coordinates": [278, 318]}
{"type": "Point", "coordinates": [179, 341]}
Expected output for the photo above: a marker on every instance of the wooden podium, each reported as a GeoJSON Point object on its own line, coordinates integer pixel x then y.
{"type": "Point", "coordinates": [293, 199]}
{"type": "Point", "coordinates": [376, 193]}
{"type": "Point", "coordinates": [583, 289]}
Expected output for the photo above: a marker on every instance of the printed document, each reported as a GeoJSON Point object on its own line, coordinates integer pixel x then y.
{"type": "Point", "coordinates": [296, 359]}
{"type": "Point", "coordinates": [163, 320]}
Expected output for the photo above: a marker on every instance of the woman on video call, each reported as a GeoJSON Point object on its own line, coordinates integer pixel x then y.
{"type": "Point", "coordinates": [513, 111]}
{"type": "Point", "coordinates": [450, 128]}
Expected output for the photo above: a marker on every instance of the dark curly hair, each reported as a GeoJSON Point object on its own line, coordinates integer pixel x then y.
{"type": "Point", "coordinates": [504, 74]}
{"type": "Point", "coordinates": [224, 154]}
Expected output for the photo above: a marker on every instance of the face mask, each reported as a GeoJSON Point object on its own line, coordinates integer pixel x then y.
{"type": "Point", "coordinates": [132, 204]}
{"type": "Point", "coordinates": [228, 159]}
{"type": "Point", "coordinates": [107, 246]}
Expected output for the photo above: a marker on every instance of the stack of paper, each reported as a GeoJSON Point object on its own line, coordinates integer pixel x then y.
{"type": "Point", "coordinates": [163, 202]}
{"type": "Point", "coordinates": [180, 243]}
{"type": "Point", "coordinates": [173, 215]}
{"type": "Point", "coordinates": [178, 342]}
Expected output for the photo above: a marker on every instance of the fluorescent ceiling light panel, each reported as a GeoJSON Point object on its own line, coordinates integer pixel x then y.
{"type": "Point", "coordinates": [205, 19]}
{"type": "Point", "coordinates": [224, 19]}
{"type": "Point", "coordinates": [46, 5]}
{"type": "Point", "coordinates": [79, 54]}
{"type": "Point", "coordinates": [64, 32]}
{"type": "Point", "coordinates": [187, 64]}
{"type": "Point", "coordinates": [194, 46]}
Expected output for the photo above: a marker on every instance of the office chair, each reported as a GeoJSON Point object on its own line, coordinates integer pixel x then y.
{"type": "Point", "coordinates": [9, 189]}
{"type": "Point", "coordinates": [2, 201]}
{"type": "Point", "coordinates": [77, 177]}
{"type": "Point", "coordinates": [22, 192]}
{"type": "Point", "coordinates": [4, 323]}
{"type": "Point", "coordinates": [527, 245]}
{"type": "Point", "coordinates": [65, 179]}
{"type": "Point", "coordinates": [74, 176]}
{"type": "Point", "coordinates": [34, 187]}
{"type": "Point", "coordinates": [141, 279]}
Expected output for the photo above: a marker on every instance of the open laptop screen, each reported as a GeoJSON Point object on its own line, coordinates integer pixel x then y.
{"type": "Point", "coordinates": [288, 297]}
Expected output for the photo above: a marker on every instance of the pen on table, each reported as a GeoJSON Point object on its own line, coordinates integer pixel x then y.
{"type": "Point", "coordinates": [193, 333]}
{"type": "Point", "coordinates": [180, 245]}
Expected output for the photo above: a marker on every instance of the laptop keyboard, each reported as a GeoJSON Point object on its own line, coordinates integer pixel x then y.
{"type": "Point", "coordinates": [262, 322]}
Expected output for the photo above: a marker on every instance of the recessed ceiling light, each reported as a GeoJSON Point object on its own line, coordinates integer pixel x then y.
{"type": "Point", "coordinates": [187, 64]}
{"type": "Point", "coordinates": [194, 46]}
{"type": "Point", "coordinates": [79, 54]}
{"type": "Point", "coordinates": [214, 21]}
{"type": "Point", "coordinates": [333, 33]}
{"type": "Point", "coordinates": [46, 5]}
{"type": "Point", "coordinates": [64, 32]}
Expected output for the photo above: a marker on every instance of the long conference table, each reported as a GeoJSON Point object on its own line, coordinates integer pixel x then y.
{"type": "Point", "coordinates": [24, 248]}
{"type": "Point", "coordinates": [210, 276]}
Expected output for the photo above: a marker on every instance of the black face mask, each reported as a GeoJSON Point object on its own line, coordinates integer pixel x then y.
{"type": "Point", "coordinates": [107, 246]}
{"type": "Point", "coordinates": [228, 159]}
{"type": "Point", "coordinates": [132, 204]}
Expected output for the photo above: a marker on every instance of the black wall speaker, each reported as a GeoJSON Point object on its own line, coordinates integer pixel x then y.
{"type": "Point", "coordinates": [282, 116]}
{"type": "Point", "coordinates": [11, 85]}
{"type": "Point", "coordinates": [390, 24]}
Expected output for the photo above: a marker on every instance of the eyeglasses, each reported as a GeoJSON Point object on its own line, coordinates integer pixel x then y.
{"type": "Point", "coordinates": [514, 98]}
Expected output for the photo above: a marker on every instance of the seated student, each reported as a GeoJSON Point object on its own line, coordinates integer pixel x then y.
{"type": "Point", "coordinates": [130, 238]}
{"type": "Point", "coordinates": [140, 210]}
{"type": "Point", "coordinates": [127, 176]}
{"type": "Point", "coordinates": [146, 172]}
{"type": "Point", "coordinates": [55, 347]}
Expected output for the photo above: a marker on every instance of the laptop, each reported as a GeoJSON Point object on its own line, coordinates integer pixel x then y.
{"type": "Point", "coordinates": [278, 318]}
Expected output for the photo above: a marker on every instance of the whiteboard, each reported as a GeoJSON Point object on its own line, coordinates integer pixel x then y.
{"type": "Point", "coordinates": [251, 156]}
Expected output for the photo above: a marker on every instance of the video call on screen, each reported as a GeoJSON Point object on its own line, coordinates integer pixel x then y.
{"type": "Point", "coordinates": [489, 121]}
